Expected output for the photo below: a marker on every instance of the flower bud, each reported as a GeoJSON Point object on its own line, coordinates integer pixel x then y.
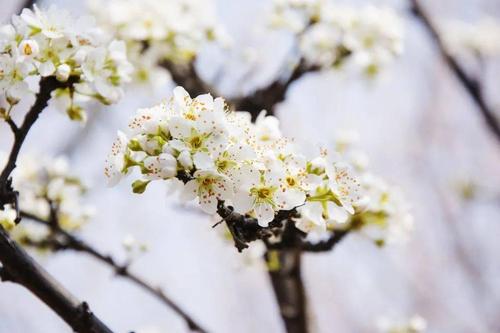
{"type": "Point", "coordinates": [29, 48]}
{"type": "Point", "coordinates": [62, 73]}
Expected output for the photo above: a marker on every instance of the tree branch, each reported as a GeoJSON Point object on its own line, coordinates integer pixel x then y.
{"type": "Point", "coordinates": [289, 290]}
{"type": "Point", "coordinates": [47, 85]}
{"type": "Point", "coordinates": [17, 265]}
{"type": "Point", "coordinates": [71, 242]}
{"type": "Point", "coordinates": [470, 85]}
{"type": "Point", "coordinates": [20, 268]}
{"type": "Point", "coordinates": [267, 98]}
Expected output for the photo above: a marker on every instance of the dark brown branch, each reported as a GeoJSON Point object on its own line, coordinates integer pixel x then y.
{"type": "Point", "coordinates": [469, 84]}
{"type": "Point", "coordinates": [187, 77]}
{"type": "Point", "coordinates": [267, 98]}
{"type": "Point", "coordinates": [289, 290]}
{"type": "Point", "coordinates": [67, 241]}
{"type": "Point", "coordinates": [20, 268]}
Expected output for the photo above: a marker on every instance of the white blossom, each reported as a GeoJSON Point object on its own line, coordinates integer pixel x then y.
{"type": "Point", "coordinates": [7, 217]}
{"type": "Point", "coordinates": [221, 157]}
{"type": "Point", "coordinates": [480, 38]}
{"type": "Point", "coordinates": [416, 324]}
{"type": "Point", "coordinates": [45, 184]}
{"type": "Point", "coordinates": [156, 31]}
{"type": "Point", "coordinates": [331, 35]}
{"type": "Point", "coordinates": [42, 43]}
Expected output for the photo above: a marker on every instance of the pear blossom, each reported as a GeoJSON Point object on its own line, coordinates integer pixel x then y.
{"type": "Point", "coordinates": [49, 42]}
{"type": "Point", "coordinates": [7, 217]}
{"type": "Point", "coordinates": [330, 36]}
{"type": "Point", "coordinates": [415, 324]}
{"type": "Point", "coordinates": [45, 186]}
{"type": "Point", "coordinates": [222, 158]}
{"type": "Point", "coordinates": [480, 38]}
{"type": "Point", "coordinates": [349, 197]}
{"type": "Point", "coordinates": [155, 32]}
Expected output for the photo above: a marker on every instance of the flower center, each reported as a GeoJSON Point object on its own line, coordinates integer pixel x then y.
{"type": "Point", "coordinates": [27, 49]}
{"type": "Point", "coordinates": [207, 181]}
{"type": "Point", "coordinates": [196, 142]}
{"type": "Point", "coordinates": [291, 181]}
{"type": "Point", "coordinates": [264, 193]}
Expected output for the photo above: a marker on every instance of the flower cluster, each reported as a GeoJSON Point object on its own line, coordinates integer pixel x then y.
{"type": "Point", "coordinates": [47, 190]}
{"type": "Point", "coordinates": [382, 214]}
{"type": "Point", "coordinates": [481, 38]}
{"type": "Point", "coordinates": [156, 31]}
{"type": "Point", "coordinates": [222, 156]}
{"type": "Point", "coordinates": [330, 35]}
{"type": "Point", "coordinates": [52, 43]}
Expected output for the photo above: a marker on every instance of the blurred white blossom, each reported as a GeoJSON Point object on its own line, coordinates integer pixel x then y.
{"type": "Point", "coordinates": [47, 186]}
{"type": "Point", "coordinates": [42, 43]}
{"type": "Point", "coordinates": [155, 31]}
{"type": "Point", "coordinates": [331, 35]}
{"type": "Point", "coordinates": [378, 210]}
{"type": "Point", "coordinates": [415, 324]}
{"type": "Point", "coordinates": [7, 217]}
{"type": "Point", "coordinates": [481, 38]}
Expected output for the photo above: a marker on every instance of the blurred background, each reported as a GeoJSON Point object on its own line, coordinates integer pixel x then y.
{"type": "Point", "coordinates": [421, 132]}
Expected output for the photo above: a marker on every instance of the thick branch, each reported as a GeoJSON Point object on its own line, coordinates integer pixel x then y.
{"type": "Point", "coordinates": [187, 77]}
{"type": "Point", "coordinates": [289, 290]}
{"type": "Point", "coordinates": [71, 242]}
{"type": "Point", "coordinates": [19, 267]}
{"type": "Point", "coordinates": [469, 84]}
{"type": "Point", "coordinates": [267, 98]}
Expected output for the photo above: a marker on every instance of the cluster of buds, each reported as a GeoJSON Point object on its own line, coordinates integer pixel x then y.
{"type": "Point", "coordinates": [330, 35]}
{"type": "Point", "coordinates": [51, 43]}
{"type": "Point", "coordinates": [222, 159]}
{"type": "Point", "coordinates": [47, 192]}
{"type": "Point", "coordinates": [159, 31]}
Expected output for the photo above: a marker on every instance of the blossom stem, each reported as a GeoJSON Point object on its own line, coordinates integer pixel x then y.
{"type": "Point", "coordinates": [70, 242]}
{"type": "Point", "coordinates": [470, 84]}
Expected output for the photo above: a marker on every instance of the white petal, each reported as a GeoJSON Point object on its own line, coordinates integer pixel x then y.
{"type": "Point", "coordinates": [180, 127]}
{"type": "Point", "coordinates": [264, 213]}
{"type": "Point", "coordinates": [336, 213]}
{"type": "Point", "coordinates": [209, 204]}
{"type": "Point", "coordinates": [243, 202]}
{"type": "Point", "coordinates": [203, 161]}
{"type": "Point", "coordinates": [290, 198]}
{"type": "Point", "coordinates": [190, 191]}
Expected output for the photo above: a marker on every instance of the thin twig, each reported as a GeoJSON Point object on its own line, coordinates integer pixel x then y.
{"type": "Point", "coordinates": [71, 242]}
{"type": "Point", "coordinates": [469, 84]}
